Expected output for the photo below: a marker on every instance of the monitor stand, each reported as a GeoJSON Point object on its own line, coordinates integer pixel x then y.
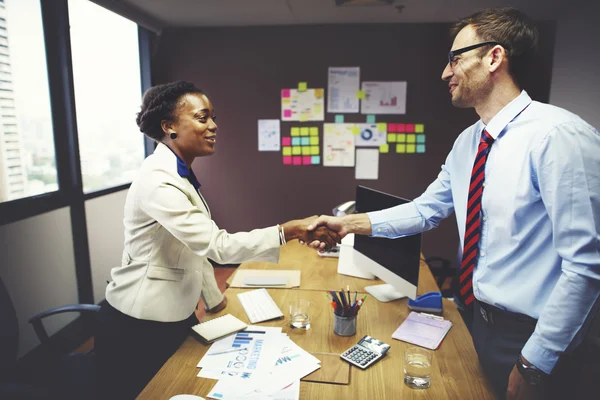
{"type": "Point", "coordinates": [384, 293]}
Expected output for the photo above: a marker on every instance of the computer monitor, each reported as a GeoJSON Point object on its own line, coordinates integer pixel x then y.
{"type": "Point", "coordinates": [395, 261]}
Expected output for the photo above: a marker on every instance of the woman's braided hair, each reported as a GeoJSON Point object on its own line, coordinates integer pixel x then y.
{"type": "Point", "coordinates": [159, 103]}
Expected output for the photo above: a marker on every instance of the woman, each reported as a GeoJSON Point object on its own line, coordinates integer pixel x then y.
{"type": "Point", "coordinates": [169, 237]}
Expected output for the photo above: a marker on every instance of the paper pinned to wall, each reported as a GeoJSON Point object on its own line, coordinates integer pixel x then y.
{"type": "Point", "coordinates": [338, 145]}
{"type": "Point", "coordinates": [369, 136]}
{"type": "Point", "coordinates": [384, 98]}
{"type": "Point", "coordinates": [367, 164]}
{"type": "Point", "coordinates": [302, 106]}
{"type": "Point", "coordinates": [343, 86]}
{"type": "Point", "coordinates": [269, 135]}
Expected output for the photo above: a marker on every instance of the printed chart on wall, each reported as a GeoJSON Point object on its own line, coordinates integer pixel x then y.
{"type": "Point", "coordinates": [343, 84]}
{"type": "Point", "coordinates": [306, 105]}
{"type": "Point", "coordinates": [268, 135]}
{"type": "Point", "coordinates": [369, 135]}
{"type": "Point", "coordinates": [338, 145]}
{"type": "Point", "coordinates": [384, 98]}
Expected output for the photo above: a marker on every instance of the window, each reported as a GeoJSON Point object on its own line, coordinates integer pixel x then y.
{"type": "Point", "coordinates": [107, 83]}
{"type": "Point", "coordinates": [27, 158]}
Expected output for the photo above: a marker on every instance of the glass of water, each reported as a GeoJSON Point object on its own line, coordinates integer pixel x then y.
{"type": "Point", "coordinates": [417, 367]}
{"type": "Point", "coordinates": [299, 317]}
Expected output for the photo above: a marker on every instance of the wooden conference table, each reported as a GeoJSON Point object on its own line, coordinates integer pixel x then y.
{"type": "Point", "coordinates": [456, 373]}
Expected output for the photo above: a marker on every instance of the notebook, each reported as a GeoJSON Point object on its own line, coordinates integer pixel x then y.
{"type": "Point", "coordinates": [422, 329]}
{"type": "Point", "coordinates": [217, 328]}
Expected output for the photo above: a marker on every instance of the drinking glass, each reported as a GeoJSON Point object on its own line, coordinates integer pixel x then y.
{"type": "Point", "coordinates": [299, 317]}
{"type": "Point", "coordinates": [417, 367]}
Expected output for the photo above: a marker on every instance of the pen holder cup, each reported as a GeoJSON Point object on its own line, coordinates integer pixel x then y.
{"type": "Point", "coordinates": [344, 326]}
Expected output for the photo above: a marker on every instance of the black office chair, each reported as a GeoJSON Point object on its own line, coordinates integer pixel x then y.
{"type": "Point", "coordinates": [60, 376]}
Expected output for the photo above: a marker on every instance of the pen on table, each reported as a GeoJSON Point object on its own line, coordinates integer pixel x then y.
{"type": "Point", "coordinates": [355, 294]}
{"type": "Point", "coordinates": [343, 297]}
{"type": "Point", "coordinates": [226, 351]}
{"type": "Point", "coordinates": [348, 289]}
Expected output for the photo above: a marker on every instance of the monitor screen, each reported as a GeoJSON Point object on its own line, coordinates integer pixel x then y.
{"type": "Point", "coordinates": [400, 256]}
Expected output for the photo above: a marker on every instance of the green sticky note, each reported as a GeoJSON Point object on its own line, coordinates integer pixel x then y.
{"type": "Point", "coordinates": [287, 151]}
{"type": "Point", "coordinates": [305, 141]}
{"type": "Point", "coordinates": [296, 150]}
{"type": "Point", "coordinates": [361, 94]}
{"type": "Point", "coordinates": [420, 148]}
{"type": "Point", "coordinates": [384, 148]}
{"type": "Point", "coordinates": [314, 150]}
{"type": "Point", "coordinates": [318, 108]}
{"type": "Point", "coordinates": [314, 131]}
{"type": "Point", "coordinates": [419, 128]}
{"type": "Point", "coordinates": [305, 150]}
{"type": "Point", "coordinates": [410, 148]}
{"type": "Point", "coordinates": [304, 131]}
{"type": "Point", "coordinates": [411, 138]}
{"type": "Point", "coordinates": [391, 137]}
{"type": "Point", "coordinates": [302, 117]}
{"type": "Point", "coordinates": [382, 127]}
{"type": "Point", "coordinates": [401, 137]}
{"type": "Point", "coordinates": [314, 140]}
{"type": "Point", "coordinates": [370, 119]}
{"type": "Point", "coordinates": [339, 119]}
{"type": "Point", "coordinates": [420, 138]}
{"type": "Point", "coordinates": [302, 86]}
{"type": "Point", "coordinates": [295, 131]}
{"type": "Point", "coordinates": [400, 148]}
{"type": "Point", "coordinates": [355, 130]}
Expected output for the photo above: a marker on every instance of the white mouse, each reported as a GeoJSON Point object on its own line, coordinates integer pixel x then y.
{"type": "Point", "coordinates": [186, 397]}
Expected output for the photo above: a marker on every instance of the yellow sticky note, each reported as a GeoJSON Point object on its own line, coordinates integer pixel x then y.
{"type": "Point", "coordinates": [295, 131]}
{"type": "Point", "coordinates": [314, 150]}
{"type": "Point", "coordinates": [303, 117]}
{"type": "Point", "coordinates": [400, 148]}
{"type": "Point", "coordinates": [382, 127]}
{"type": "Point", "coordinates": [355, 130]}
{"type": "Point", "coordinates": [411, 138]}
{"type": "Point", "coordinates": [361, 94]}
{"type": "Point", "coordinates": [319, 93]}
{"type": "Point", "coordinates": [314, 131]}
{"type": "Point", "coordinates": [401, 137]}
{"type": "Point", "coordinates": [314, 140]}
{"type": "Point", "coordinates": [304, 131]}
{"type": "Point", "coordinates": [411, 148]}
{"type": "Point", "coordinates": [305, 150]}
{"type": "Point", "coordinates": [286, 100]}
{"type": "Point", "coordinates": [419, 128]}
{"type": "Point", "coordinates": [287, 151]}
{"type": "Point", "coordinates": [318, 109]}
{"type": "Point", "coordinates": [296, 150]}
{"type": "Point", "coordinates": [391, 137]}
{"type": "Point", "coordinates": [302, 86]}
{"type": "Point", "coordinates": [384, 148]}
{"type": "Point", "coordinates": [328, 128]}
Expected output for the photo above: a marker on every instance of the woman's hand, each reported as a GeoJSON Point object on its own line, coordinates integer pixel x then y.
{"type": "Point", "coordinates": [322, 235]}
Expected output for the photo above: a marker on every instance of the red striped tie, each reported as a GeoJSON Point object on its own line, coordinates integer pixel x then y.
{"type": "Point", "coordinates": [473, 220]}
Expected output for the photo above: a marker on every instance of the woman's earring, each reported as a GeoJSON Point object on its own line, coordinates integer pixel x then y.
{"type": "Point", "coordinates": [173, 135]}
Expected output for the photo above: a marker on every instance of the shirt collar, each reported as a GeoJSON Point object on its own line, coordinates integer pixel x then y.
{"type": "Point", "coordinates": [507, 114]}
{"type": "Point", "coordinates": [185, 172]}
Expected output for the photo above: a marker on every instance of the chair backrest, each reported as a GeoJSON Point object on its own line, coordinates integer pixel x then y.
{"type": "Point", "coordinates": [9, 333]}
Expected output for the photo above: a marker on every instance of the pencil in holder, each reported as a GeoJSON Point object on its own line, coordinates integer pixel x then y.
{"type": "Point", "coordinates": [344, 326]}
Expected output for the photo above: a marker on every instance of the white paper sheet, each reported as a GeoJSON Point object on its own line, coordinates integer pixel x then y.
{"type": "Point", "coordinates": [269, 136]}
{"type": "Point", "coordinates": [369, 136]}
{"type": "Point", "coordinates": [384, 98]}
{"type": "Point", "coordinates": [367, 164]}
{"type": "Point", "coordinates": [342, 86]}
{"type": "Point", "coordinates": [338, 145]}
{"type": "Point", "coordinates": [302, 106]}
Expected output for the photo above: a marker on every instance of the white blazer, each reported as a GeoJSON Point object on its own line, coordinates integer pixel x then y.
{"type": "Point", "coordinates": [169, 237]}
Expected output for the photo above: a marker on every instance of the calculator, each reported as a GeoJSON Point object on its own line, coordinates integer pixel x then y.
{"type": "Point", "coordinates": [366, 352]}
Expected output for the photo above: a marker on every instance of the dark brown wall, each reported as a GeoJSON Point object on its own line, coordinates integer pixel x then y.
{"type": "Point", "coordinates": [243, 71]}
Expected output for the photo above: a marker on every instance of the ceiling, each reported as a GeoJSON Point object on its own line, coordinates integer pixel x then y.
{"type": "Point", "coordinates": [186, 13]}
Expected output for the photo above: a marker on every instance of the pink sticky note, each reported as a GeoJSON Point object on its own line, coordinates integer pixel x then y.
{"type": "Point", "coordinates": [286, 141]}
{"type": "Point", "coordinates": [410, 127]}
{"type": "Point", "coordinates": [297, 160]}
{"type": "Point", "coordinates": [285, 93]}
{"type": "Point", "coordinates": [400, 128]}
{"type": "Point", "coordinates": [307, 160]}
{"type": "Point", "coordinates": [392, 128]}
{"type": "Point", "coordinates": [287, 160]}
{"type": "Point", "coordinates": [287, 113]}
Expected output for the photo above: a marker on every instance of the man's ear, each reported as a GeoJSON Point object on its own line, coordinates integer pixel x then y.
{"type": "Point", "coordinates": [497, 58]}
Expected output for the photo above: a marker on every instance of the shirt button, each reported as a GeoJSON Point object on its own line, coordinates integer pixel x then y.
{"type": "Point", "coordinates": [378, 229]}
{"type": "Point", "coordinates": [483, 184]}
{"type": "Point", "coordinates": [482, 254]}
{"type": "Point", "coordinates": [485, 218]}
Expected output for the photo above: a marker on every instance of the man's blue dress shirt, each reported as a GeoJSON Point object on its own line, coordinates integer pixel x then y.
{"type": "Point", "coordinates": [540, 242]}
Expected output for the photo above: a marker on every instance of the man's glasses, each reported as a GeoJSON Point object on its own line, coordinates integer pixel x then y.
{"type": "Point", "coordinates": [454, 53]}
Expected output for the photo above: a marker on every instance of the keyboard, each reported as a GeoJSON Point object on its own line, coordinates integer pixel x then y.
{"type": "Point", "coordinates": [259, 305]}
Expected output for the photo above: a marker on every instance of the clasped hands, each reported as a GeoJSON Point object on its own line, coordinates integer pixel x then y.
{"type": "Point", "coordinates": [313, 230]}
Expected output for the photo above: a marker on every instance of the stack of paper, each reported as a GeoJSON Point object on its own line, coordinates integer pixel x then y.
{"type": "Point", "coordinates": [257, 363]}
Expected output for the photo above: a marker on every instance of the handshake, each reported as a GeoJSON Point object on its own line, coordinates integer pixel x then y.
{"type": "Point", "coordinates": [320, 233]}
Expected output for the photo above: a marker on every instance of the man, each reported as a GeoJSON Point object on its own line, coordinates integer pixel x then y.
{"type": "Point", "coordinates": [524, 183]}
